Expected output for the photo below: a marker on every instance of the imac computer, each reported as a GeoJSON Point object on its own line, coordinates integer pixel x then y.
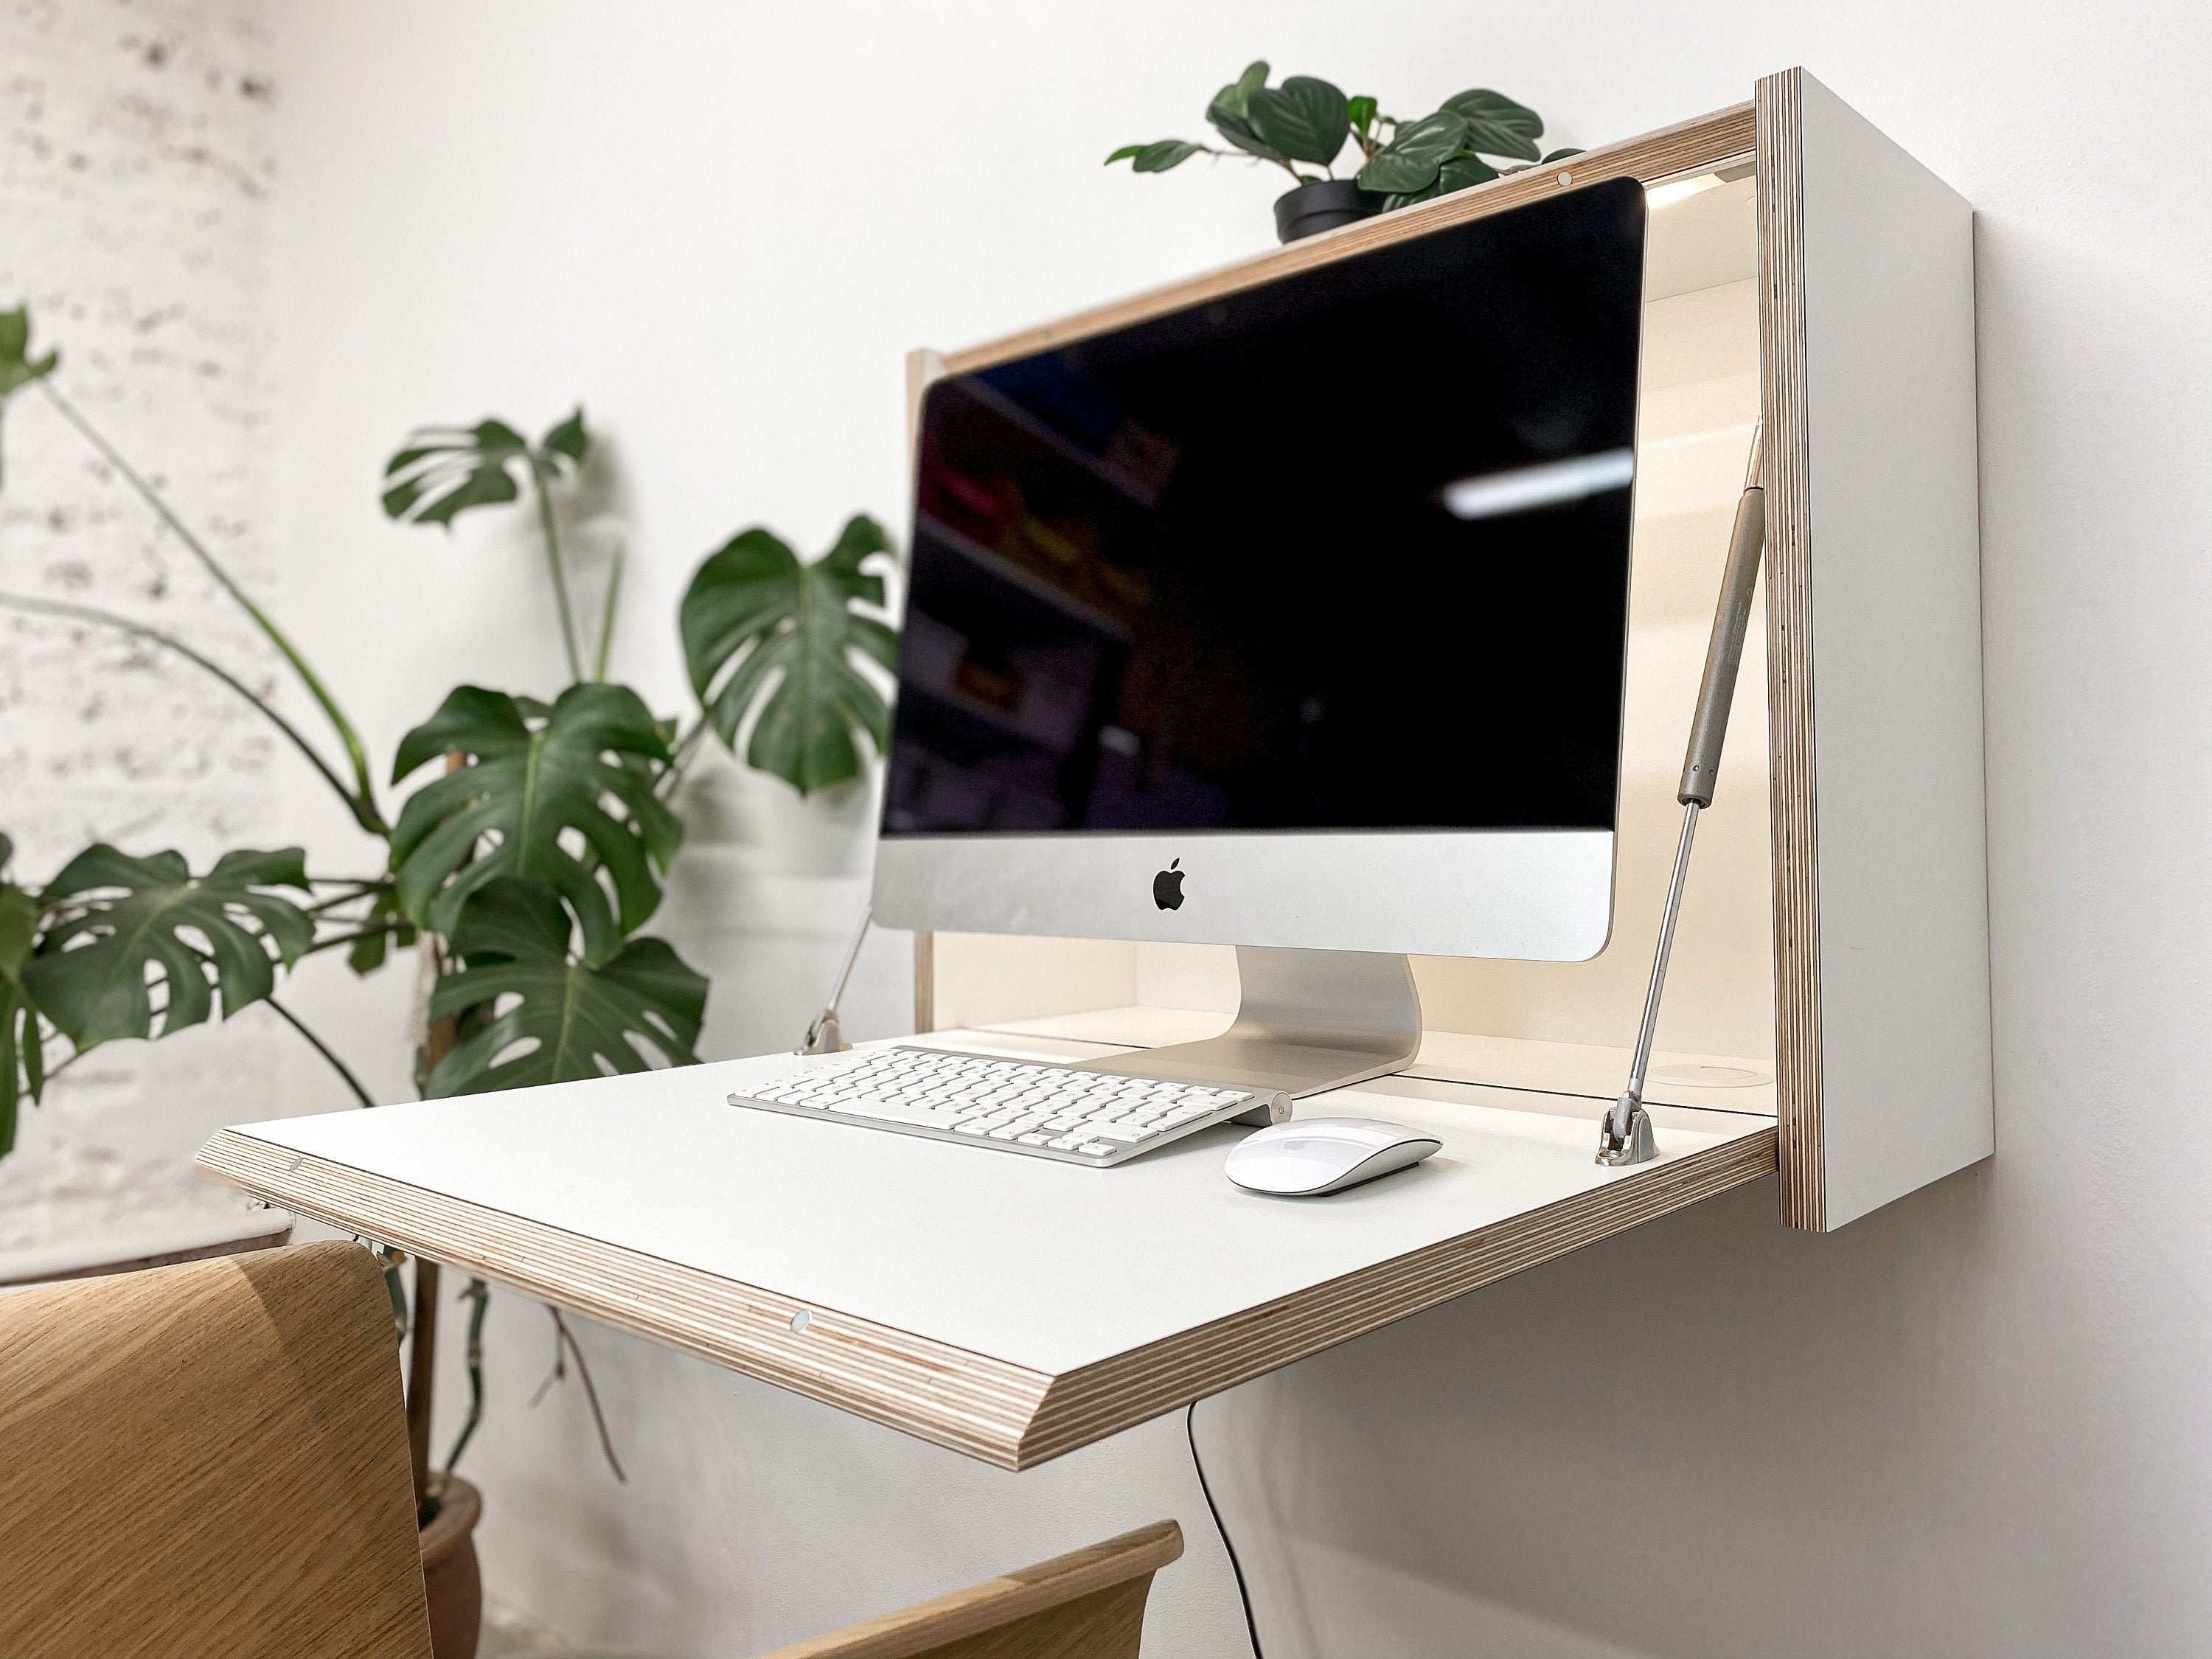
{"type": "Point", "coordinates": [1292, 620]}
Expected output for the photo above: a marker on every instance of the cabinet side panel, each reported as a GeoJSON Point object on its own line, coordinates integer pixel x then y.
{"type": "Point", "coordinates": [1895, 574]}
{"type": "Point", "coordinates": [1789, 650]}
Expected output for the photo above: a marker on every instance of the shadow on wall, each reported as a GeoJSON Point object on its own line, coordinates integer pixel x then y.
{"type": "Point", "coordinates": [1550, 1465]}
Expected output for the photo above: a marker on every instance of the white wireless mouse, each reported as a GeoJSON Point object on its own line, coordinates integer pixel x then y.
{"type": "Point", "coordinates": [1307, 1157]}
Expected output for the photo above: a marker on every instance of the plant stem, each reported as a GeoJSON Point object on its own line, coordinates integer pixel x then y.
{"type": "Point", "coordinates": [562, 1334]}
{"type": "Point", "coordinates": [680, 756]}
{"type": "Point", "coordinates": [346, 735]}
{"type": "Point", "coordinates": [539, 481]}
{"type": "Point", "coordinates": [607, 617]}
{"type": "Point", "coordinates": [363, 807]}
{"type": "Point", "coordinates": [323, 1048]}
{"type": "Point", "coordinates": [336, 940]}
{"type": "Point", "coordinates": [478, 1295]}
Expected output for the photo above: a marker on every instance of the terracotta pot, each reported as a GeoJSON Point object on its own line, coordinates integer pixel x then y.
{"type": "Point", "coordinates": [450, 1577]}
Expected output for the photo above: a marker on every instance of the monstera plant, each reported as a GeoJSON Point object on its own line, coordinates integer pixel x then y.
{"type": "Point", "coordinates": [1305, 123]}
{"type": "Point", "coordinates": [527, 853]}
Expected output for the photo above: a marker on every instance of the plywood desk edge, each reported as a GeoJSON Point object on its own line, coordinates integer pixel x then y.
{"type": "Point", "coordinates": [1002, 1413]}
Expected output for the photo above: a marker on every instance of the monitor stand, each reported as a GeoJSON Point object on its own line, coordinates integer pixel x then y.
{"type": "Point", "coordinates": [1307, 1020]}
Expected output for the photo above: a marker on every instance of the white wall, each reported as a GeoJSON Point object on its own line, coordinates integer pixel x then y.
{"type": "Point", "coordinates": [1975, 1422]}
{"type": "Point", "coordinates": [136, 170]}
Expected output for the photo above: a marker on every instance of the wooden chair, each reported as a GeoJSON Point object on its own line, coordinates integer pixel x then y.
{"type": "Point", "coordinates": [1088, 1604]}
{"type": "Point", "coordinates": [208, 1461]}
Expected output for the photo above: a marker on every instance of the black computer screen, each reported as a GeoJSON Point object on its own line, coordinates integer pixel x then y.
{"type": "Point", "coordinates": [1346, 551]}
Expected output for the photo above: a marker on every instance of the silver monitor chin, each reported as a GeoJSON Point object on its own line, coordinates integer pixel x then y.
{"type": "Point", "coordinates": [1536, 894]}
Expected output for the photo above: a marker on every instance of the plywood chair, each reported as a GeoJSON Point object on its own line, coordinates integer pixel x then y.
{"type": "Point", "coordinates": [1088, 1604]}
{"type": "Point", "coordinates": [208, 1461]}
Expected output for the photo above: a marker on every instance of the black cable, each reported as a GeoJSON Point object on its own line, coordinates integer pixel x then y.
{"type": "Point", "coordinates": [1190, 1432]}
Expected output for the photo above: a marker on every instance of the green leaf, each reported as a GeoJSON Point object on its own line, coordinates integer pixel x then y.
{"type": "Point", "coordinates": [1408, 199]}
{"type": "Point", "coordinates": [562, 795]}
{"type": "Point", "coordinates": [1156, 158]}
{"type": "Point", "coordinates": [445, 471]}
{"type": "Point", "coordinates": [754, 612]}
{"type": "Point", "coordinates": [1229, 113]}
{"type": "Point", "coordinates": [1307, 119]}
{"type": "Point", "coordinates": [550, 1018]}
{"type": "Point", "coordinates": [383, 927]}
{"type": "Point", "coordinates": [1462, 171]}
{"type": "Point", "coordinates": [1411, 160]}
{"type": "Point", "coordinates": [1497, 126]}
{"type": "Point", "coordinates": [1361, 112]}
{"type": "Point", "coordinates": [21, 1069]}
{"type": "Point", "coordinates": [568, 439]}
{"type": "Point", "coordinates": [17, 368]}
{"type": "Point", "coordinates": [123, 920]}
{"type": "Point", "coordinates": [1559, 155]}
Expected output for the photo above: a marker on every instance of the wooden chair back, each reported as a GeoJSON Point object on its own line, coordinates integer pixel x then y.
{"type": "Point", "coordinates": [1088, 1604]}
{"type": "Point", "coordinates": [208, 1461]}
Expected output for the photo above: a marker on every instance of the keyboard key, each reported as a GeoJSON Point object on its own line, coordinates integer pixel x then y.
{"type": "Point", "coordinates": [891, 1111]}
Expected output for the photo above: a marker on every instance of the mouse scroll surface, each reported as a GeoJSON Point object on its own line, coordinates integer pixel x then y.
{"type": "Point", "coordinates": [1309, 1158]}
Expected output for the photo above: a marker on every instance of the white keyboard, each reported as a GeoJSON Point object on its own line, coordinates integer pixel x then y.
{"type": "Point", "coordinates": [1063, 1112]}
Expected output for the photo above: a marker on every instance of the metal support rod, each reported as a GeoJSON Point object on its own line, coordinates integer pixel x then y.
{"type": "Point", "coordinates": [824, 1036]}
{"type": "Point", "coordinates": [1624, 1137]}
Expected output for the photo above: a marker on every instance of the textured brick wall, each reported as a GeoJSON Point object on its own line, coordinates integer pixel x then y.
{"type": "Point", "coordinates": [136, 169]}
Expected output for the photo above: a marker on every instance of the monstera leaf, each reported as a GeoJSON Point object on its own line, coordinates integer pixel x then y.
{"type": "Point", "coordinates": [18, 369]}
{"type": "Point", "coordinates": [444, 470]}
{"type": "Point", "coordinates": [123, 921]}
{"type": "Point", "coordinates": [562, 795]}
{"type": "Point", "coordinates": [22, 1069]}
{"type": "Point", "coordinates": [761, 628]}
{"type": "Point", "coordinates": [1305, 119]}
{"type": "Point", "coordinates": [547, 1018]}
{"type": "Point", "coordinates": [1496, 125]}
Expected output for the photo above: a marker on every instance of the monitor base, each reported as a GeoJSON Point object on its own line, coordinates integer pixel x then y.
{"type": "Point", "coordinates": [1306, 1021]}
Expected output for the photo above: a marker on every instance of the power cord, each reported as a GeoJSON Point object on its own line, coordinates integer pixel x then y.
{"type": "Point", "coordinates": [1243, 1595]}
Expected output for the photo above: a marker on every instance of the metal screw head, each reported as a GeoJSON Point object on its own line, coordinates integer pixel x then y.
{"type": "Point", "coordinates": [801, 1320]}
{"type": "Point", "coordinates": [1566, 179]}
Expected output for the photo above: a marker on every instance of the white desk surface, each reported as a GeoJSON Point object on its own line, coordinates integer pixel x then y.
{"type": "Point", "coordinates": [1042, 1270]}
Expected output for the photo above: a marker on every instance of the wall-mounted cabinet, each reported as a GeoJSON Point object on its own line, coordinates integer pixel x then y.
{"type": "Point", "coordinates": [1829, 1014]}
{"type": "Point", "coordinates": [1832, 965]}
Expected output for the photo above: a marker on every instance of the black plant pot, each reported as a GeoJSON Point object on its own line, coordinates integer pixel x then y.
{"type": "Point", "coordinates": [1311, 208]}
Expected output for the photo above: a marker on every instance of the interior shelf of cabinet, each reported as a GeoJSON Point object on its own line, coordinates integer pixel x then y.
{"type": "Point", "coordinates": [998, 565]}
{"type": "Point", "coordinates": [987, 396]}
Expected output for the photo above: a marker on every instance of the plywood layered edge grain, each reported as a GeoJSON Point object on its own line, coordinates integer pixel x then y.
{"type": "Point", "coordinates": [1001, 1412]}
{"type": "Point", "coordinates": [1707, 140]}
{"type": "Point", "coordinates": [965, 1401]}
{"type": "Point", "coordinates": [1781, 198]}
{"type": "Point", "coordinates": [1096, 1401]}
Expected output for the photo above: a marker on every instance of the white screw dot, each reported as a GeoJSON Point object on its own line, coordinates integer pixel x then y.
{"type": "Point", "coordinates": [1566, 178]}
{"type": "Point", "coordinates": [801, 1320]}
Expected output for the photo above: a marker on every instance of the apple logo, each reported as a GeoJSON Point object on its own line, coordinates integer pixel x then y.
{"type": "Point", "coordinates": [1167, 887]}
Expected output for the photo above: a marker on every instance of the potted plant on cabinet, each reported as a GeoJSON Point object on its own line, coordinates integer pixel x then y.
{"type": "Point", "coordinates": [1472, 138]}
{"type": "Point", "coordinates": [529, 852]}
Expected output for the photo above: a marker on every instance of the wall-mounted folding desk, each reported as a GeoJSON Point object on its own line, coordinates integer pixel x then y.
{"type": "Point", "coordinates": [1831, 984]}
{"type": "Point", "coordinates": [1009, 1307]}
